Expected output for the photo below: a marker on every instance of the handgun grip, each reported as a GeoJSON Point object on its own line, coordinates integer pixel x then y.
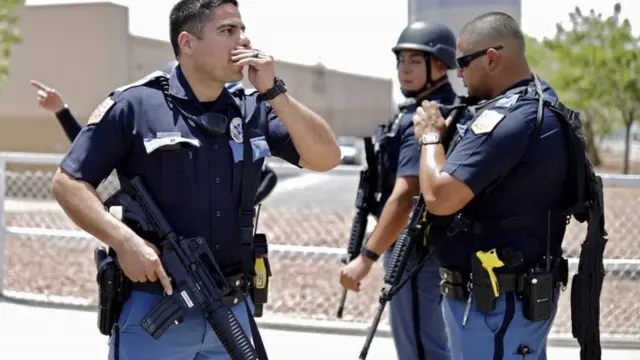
{"type": "Point", "coordinates": [232, 336]}
{"type": "Point", "coordinates": [161, 317]}
{"type": "Point", "coordinates": [99, 254]}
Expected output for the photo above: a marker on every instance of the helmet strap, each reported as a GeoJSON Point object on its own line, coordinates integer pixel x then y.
{"type": "Point", "coordinates": [429, 84]}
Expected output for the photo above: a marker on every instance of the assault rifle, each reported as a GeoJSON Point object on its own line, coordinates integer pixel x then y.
{"type": "Point", "coordinates": [198, 282]}
{"type": "Point", "coordinates": [366, 203]}
{"type": "Point", "coordinates": [410, 241]}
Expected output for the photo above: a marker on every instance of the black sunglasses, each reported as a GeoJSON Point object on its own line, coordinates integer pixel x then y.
{"type": "Point", "coordinates": [465, 60]}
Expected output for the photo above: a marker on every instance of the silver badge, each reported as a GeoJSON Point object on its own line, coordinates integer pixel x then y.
{"type": "Point", "coordinates": [235, 128]}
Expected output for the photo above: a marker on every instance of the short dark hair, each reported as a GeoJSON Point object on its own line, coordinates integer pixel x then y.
{"type": "Point", "coordinates": [191, 16]}
{"type": "Point", "coordinates": [493, 26]}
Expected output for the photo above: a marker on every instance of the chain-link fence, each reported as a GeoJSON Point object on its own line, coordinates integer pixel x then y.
{"type": "Point", "coordinates": [307, 220]}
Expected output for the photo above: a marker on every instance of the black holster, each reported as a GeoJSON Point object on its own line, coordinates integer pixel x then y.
{"type": "Point", "coordinates": [454, 284]}
{"type": "Point", "coordinates": [260, 284]}
{"type": "Point", "coordinates": [481, 287]}
{"type": "Point", "coordinates": [113, 289]}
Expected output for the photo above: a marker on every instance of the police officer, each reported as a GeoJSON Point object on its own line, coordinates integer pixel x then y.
{"type": "Point", "coordinates": [492, 199]}
{"type": "Point", "coordinates": [424, 53]}
{"type": "Point", "coordinates": [168, 132]}
{"type": "Point", "coordinates": [51, 100]}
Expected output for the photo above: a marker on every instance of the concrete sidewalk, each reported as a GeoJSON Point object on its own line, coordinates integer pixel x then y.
{"type": "Point", "coordinates": [30, 333]}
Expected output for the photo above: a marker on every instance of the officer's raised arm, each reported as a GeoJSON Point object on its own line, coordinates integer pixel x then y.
{"type": "Point", "coordinates": [494, 141]}
{"type": "Point", "coordinates": [311, 134]}
{"type": "Point", "coordinates": [491, 146]}
{"type": "Point", "coordinates": [290, 121]}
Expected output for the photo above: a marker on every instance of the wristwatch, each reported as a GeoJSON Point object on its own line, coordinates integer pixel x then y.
{"type": "Point", "coordinates": [430, 138]}
{"type": "Point", "coordinates": [369, 254]}
{"type": "Point", "coordinates": [277, 89]}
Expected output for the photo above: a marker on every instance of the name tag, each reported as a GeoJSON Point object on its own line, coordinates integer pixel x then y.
{"type": "Point", "coordinates": [152, 145]}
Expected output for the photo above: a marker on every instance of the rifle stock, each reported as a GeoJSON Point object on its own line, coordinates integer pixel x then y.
{"type": "Point", "coordinates": [365, 205]}
{"type": "Point", "coordinates": [190, 264]}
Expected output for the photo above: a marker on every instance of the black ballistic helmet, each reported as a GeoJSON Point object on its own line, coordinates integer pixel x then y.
{"type": "Point", "coordinates": [434, 39]}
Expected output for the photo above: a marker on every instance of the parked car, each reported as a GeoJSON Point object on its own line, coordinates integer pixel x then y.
{"type": "Point", "coordinates": [350, 150]}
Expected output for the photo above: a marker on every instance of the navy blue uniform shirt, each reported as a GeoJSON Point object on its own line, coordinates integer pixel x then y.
{"type": "Point", "coordinates": [402, 154]}
{"type": "Point", "coordinates": [195, 177]}
{"type": "Point", "coordinates": [533, 170]}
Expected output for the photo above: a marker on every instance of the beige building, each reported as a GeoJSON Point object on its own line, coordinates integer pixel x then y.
{"type": "Point", "coordinates": [85, 51]}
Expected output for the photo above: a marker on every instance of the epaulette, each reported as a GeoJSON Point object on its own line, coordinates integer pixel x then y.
{"type": "Point", "coordinates": [154, 76]}
{"type": "Point", "coordinates": [507, 101]}
{"type": "Point", "coordinates": [102, 109]}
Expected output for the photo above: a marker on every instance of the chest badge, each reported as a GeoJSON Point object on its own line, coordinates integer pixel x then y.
{"type": "Point", "coordinates": [235, 128]}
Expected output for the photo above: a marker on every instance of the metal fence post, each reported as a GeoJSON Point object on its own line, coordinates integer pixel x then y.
{"type": "Point", "coordinates": [3, 174]}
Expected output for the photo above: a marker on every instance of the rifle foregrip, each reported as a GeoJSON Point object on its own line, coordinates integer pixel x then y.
{"type": "Point", "coordinates": [398, 258]}
{"type": "Point", "coordinates": [356, 238]}
{"type": "Point", "coordinates": [161, 317]}
{"type": "Point", "coordinates": [232, 336]}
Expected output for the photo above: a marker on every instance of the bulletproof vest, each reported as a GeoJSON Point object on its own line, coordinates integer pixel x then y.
{"type": "Point", "coordinates": [385, 134]}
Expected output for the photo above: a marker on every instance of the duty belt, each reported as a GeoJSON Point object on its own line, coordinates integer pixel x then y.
{"type": "Point", "coordinates": [456, 284]}
{"type": "Point", "coordinates": [458, 223]}
{"type": "Point", "coordinates": [239, 289]}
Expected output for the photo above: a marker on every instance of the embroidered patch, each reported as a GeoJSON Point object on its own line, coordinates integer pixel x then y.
{"type": "Point", "coordinates": [100, 111]}
{"type": "Point", "coordinates": [235, 128]}
{"type": "Point", "coordinates": [486, 122]}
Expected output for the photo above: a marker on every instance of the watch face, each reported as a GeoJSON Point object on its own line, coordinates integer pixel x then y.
{"type": "Point", "coordinates": [430, 138]}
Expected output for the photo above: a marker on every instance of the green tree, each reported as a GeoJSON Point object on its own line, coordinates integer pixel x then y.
{"type": "Point", "coordinates": [9, 34]}
{"type": "Point", "coordinates": [599, 71]}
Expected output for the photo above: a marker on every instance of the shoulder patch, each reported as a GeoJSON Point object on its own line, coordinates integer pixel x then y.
{"type": "Point", "coordinates": [145, 80]}
{"type": "Point", "coordinates": [100, 111]}
{"type": "Point", "coordinates": [486, 122]}
{"type": "Point", "coordinates": [507, 101]}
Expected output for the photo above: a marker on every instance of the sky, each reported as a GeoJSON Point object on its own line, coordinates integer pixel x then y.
{"type": "Point", "coordinates": [339, 33]}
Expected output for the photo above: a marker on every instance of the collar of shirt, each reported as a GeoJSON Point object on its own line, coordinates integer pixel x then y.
{"type": "Point", "coordinates": [179, 87]}
{"type": "Point", "coordinates": [442, 92]}
{"type": "Point", "coordinates": [521, 83]}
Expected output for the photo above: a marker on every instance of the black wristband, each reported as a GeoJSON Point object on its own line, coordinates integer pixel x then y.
{"type": "Point", "coordinates": [369, 254]}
